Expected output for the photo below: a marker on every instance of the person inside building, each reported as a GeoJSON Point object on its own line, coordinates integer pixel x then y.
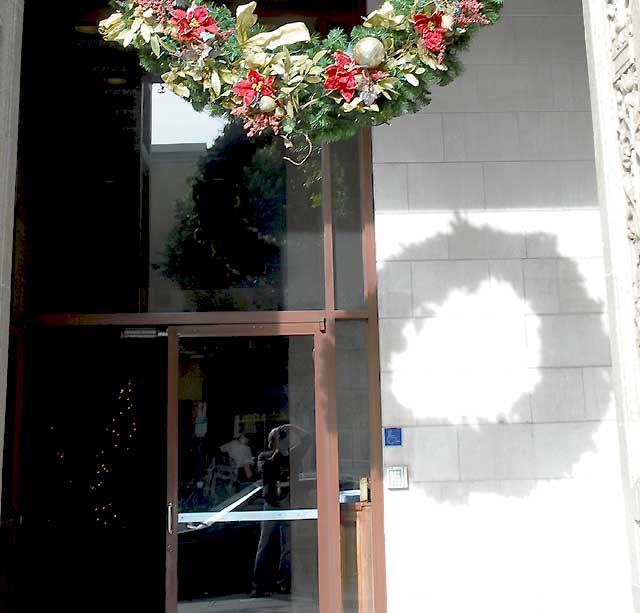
{"type": "Point", "coordinates": [279, 465]}
{"type": "Point", "coordinates": [240, 457]}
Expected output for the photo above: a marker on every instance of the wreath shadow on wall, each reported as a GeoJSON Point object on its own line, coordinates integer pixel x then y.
{"type": "Point", "coordinates": [517, 459]}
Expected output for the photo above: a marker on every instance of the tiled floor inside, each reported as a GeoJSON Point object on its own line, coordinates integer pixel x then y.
{"type": "Point", "coordinates": [243, 604]}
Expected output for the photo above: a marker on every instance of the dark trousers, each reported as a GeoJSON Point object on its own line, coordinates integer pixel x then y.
{"type": "Point", "coordinates": [273, 534]}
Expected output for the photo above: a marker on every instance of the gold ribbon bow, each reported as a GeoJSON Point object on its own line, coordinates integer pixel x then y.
{"type": "Point", "coordinates": [288, 34]}
{"type": "Point", "coordinates": [384, 17]}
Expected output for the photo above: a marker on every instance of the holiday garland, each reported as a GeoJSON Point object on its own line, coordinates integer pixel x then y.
{"type": "Point", "coordinates": [291, 82]}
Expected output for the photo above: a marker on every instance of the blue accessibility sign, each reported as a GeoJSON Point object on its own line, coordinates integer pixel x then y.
{"type": "Point", "coordinates": [393, 437]}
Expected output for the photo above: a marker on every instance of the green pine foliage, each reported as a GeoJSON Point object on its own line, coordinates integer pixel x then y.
{"type": "Point", "coordinates": [325, 119]}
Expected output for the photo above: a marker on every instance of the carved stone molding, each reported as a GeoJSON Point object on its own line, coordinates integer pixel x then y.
{"type": "Point", "coordinates": [621, 27]}
{"type": "Point", "coordinates": [625, 71]}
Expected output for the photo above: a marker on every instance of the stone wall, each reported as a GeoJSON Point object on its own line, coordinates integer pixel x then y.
{"type": "Point", "coordinates": [10, 47]}
{"type": "Point", "coordinates": [495, 353]}
{"type": "Point", "coordinates": [613, 54]}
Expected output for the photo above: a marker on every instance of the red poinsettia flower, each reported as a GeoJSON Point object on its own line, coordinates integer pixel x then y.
{"type": "Point", "coordinates": [193, 22]}
{"type": "Point", "coordinates": [342, 75]}
{"type": "Point", "coordinates": [255, 84]}
{"type": "Point", "coordinates": [431, 30]}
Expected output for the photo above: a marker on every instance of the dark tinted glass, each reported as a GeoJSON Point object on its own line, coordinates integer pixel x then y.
{"type": "Point", "coordinates": [233, 226]}
{"type": "Point", "coordinates": [81, 165]}
{"type": "Point", "coordinates": [347, 224]}
{"type": "Point", "coordinates": [352, 396]}
{"type": "Point", "coordinates": [94, 496]}
{"type": "Point", "coordinates": [247, 519]}
{"type": "Point", "coordinates": [130, 203]}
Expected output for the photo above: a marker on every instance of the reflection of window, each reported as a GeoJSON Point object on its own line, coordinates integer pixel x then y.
{"type": "Point", "coordinates": [174, 122]}
{"type": "Point", "coordinates": [232, 227]}
{"type": "Point", "coordinates": [222, 464]}
{"type": "Point", "coordinates": [161, 208]}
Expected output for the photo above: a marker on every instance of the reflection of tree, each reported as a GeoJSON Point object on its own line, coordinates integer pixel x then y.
{"type": "Point", "coordinates": [230, 227]}
{"type": "Point", "coordinates": [247, 211]}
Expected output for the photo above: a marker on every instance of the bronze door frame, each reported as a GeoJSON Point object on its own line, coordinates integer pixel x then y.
{"type": "Point", "coordinates": [329, 556]}
{"type": "Point", "coordinates": [326, 320]}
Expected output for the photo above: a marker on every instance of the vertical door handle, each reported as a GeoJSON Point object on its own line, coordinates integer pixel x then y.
{"type": "Point", "coordinates": [170, 518]}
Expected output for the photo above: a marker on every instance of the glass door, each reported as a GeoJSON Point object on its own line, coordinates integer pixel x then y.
{"type": "Point", "coordinates": [91, 535]}
{"type": "Point", "coordinates": [246, 446]}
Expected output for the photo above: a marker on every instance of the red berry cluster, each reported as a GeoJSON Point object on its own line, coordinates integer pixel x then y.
{"type": "Point", "coordinates": [471, 12]}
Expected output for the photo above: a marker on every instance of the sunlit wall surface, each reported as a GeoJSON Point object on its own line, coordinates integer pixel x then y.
{"type": "Point", "coordinates": [494, 347]}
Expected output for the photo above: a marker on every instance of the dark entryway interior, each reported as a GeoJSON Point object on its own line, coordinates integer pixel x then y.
{"type": "Point", "coordinates": [93, 482]}
{"type": "Point", "coordinates": [85, 479]}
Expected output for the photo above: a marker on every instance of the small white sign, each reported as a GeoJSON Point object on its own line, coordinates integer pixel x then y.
{"type": "Point", "coordinates": [397, 478]}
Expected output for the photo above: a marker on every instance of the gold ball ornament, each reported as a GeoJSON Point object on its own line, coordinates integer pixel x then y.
{"type": "Point", "coordinates": [368, 52]}
{"type": "Point", "coordinates": [267, 104]}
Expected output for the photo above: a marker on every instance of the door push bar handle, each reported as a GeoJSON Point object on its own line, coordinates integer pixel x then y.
{"type": "Point", "coordinates": [170, 517]}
